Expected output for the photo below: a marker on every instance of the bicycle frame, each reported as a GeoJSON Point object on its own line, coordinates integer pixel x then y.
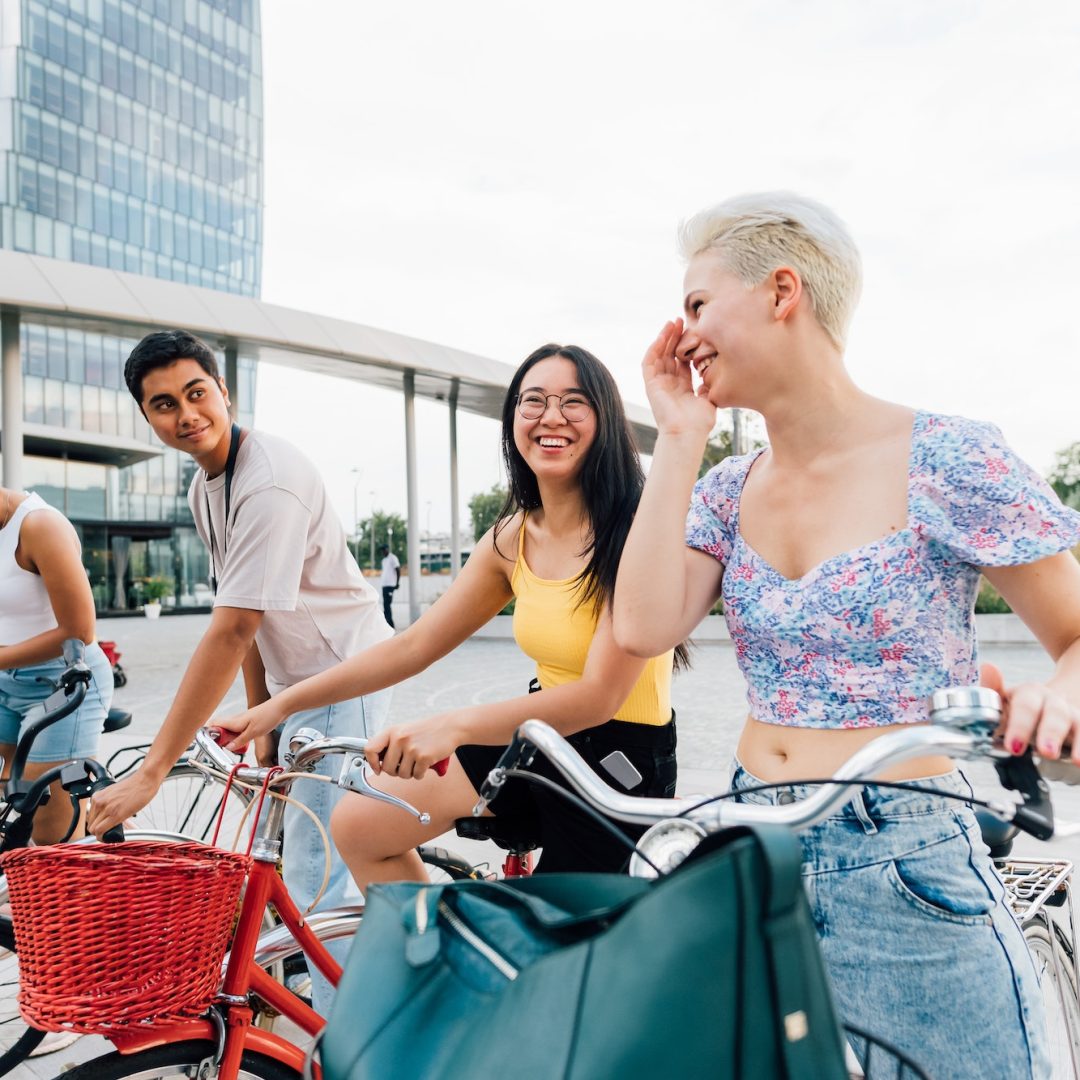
{"type": "Point", "coordinates": [243, 976]}
{"type": "Point", "coordinates": [229, 1025]}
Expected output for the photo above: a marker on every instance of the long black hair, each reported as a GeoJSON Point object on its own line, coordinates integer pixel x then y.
{"type": "Point", "coordinates": [611, 480]}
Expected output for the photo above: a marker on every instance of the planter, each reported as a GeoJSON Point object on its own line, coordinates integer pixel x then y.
{"type": "Point", "coordinates": [152, 609]}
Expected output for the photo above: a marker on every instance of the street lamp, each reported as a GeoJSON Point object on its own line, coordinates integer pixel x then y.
{"type": "Point", "coordinates": [371, 529]}
{"type": "Point", "coordinates": [356, 509]}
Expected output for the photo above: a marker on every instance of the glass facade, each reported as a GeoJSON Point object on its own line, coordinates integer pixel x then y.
{"type": "Point", "coordinates": [131, 136]}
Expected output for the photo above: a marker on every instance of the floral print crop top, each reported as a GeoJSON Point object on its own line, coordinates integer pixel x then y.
{"type": "Point", "coordinates": [865, 637]}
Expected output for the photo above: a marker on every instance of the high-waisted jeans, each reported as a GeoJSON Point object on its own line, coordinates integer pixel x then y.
{"type": "Point", "coordinates": [920, 947]}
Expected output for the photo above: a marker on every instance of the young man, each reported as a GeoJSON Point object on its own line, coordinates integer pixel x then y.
{"type": "Point", "coordinates": [289, 601]}
{"type": "Point", "coordinates": [391, 579]}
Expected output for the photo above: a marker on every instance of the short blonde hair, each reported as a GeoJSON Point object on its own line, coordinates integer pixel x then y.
{"type": "Point", "coordinates": [757, 233]}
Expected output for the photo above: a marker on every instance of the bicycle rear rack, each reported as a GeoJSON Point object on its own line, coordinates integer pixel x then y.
{"type": "Point", "coordinates": [1032, 884]}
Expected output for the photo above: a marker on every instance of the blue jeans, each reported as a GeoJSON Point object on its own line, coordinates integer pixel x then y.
{"type": "Point", "coordinates": [74, 736]}
{"type": "Point", "coordinates": [920, 947]}
{"type": "Point", "coordinates": [303, 859]}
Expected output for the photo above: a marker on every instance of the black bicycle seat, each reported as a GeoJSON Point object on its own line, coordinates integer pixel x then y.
{"type": "Point", "coordinates": [997, 835]}
{"type": "Point", "coordinates": [116, 720]}
{"type": "Point", "coordinates": [509, 835]}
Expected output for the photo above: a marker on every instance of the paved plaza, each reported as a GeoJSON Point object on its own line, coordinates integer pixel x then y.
{"type": "Point", "coordinates": [708, 700]}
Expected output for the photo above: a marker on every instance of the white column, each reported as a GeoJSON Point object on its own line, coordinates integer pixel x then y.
{"type": "Point", "coordinates": [412, 496]}
{"type": "Point", "coordinates": [11, 421]}
{"type": "Point", "coordinates": [455, 495]}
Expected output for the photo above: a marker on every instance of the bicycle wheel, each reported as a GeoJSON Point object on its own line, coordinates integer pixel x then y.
{"type": "Point", "coordinates": [17, 1041]}
{"type": "Point", "coordinates": [189, 801]}
{"type": "Point", "coordinates": [176, 1060]}
{"type": "Point", "coordinates": [1053, 958]}
{"type": "Point", "coordinates": [442, 866]}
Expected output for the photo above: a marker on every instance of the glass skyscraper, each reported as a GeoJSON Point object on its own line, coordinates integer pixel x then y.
{"type": "Point", "coordinates": [131, 139]}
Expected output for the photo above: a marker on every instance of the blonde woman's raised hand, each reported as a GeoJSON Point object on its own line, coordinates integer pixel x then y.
{"type": "Point", "coordinates": [670, 387]}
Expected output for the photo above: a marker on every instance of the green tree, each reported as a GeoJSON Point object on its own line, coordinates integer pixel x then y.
{"type": "Point", "coordinates": [1065, 475]}
{"type": "Point", "coordinates": [716, 449]}
{"type": "Point", "coordinates": [381, 528]}
{"type": "Point", "coordinates": [484, 508]}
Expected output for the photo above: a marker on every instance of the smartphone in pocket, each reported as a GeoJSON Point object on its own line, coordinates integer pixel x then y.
{"type": "Point", "coordinates": [622, 769]}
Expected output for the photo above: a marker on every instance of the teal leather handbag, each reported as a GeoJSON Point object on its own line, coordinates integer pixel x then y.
{"type": "Point", "coordinates": [713, 971]}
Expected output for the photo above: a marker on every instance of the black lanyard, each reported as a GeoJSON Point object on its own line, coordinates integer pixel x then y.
{"type": "Point", "coordinates": [230, 465]}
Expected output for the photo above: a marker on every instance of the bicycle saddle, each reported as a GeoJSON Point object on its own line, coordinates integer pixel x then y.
{"type": "Point", "coordinates": [509, 835]}
{"type": "Point", "coordinates": [116, 720]}
{"type": "Point", "coordinates": [997, 835]}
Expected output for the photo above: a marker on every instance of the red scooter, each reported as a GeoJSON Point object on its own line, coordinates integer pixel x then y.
{"type": "Point", "coordinates": [113, 654]}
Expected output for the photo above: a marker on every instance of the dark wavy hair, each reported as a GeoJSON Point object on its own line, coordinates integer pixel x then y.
{"type": "Point", "coordinates": [611, 480]}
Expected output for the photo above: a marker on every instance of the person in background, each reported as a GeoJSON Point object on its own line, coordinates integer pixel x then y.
{"type": "Point", "coordinates": [848, 554]}
{"type": "Point", "coordinates": [391, 579]}
{"type": "Point", "coordinates": [45, 599]}
{"type": "Point", "coordinates": [574, 479]}
{"type": "Point", "coordinates": [290, 600]}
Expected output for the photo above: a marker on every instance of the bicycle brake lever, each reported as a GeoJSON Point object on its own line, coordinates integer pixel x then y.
{"type": "Point", "coordinates": [1035, 815]}
{"type": "Point", "coordinates": [354, 775]}
{"type": "Point", "coordinates": [519, 754]}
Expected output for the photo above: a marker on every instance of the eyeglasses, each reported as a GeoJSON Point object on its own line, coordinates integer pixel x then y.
{"type": "Point", "coordinates": [573, 406]}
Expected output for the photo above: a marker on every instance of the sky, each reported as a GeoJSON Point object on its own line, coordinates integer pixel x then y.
{"type": "Point", "coordinates": [495, 175]}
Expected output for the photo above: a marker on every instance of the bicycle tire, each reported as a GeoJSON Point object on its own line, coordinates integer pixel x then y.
{"type": "Point", "coordinates": [188, 802]}
{"type": "Point", "coordinates": [17, 1040]}
{"type": "Point", "coordinates": [1053, 957]}
{"type": "Point", "coordinates": [442, 866]}
{"type": "Point", "coordinates": [176, 1060]}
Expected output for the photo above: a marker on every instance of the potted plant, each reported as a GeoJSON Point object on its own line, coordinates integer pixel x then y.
{"type": "Point", "coordinates": [153, 589]}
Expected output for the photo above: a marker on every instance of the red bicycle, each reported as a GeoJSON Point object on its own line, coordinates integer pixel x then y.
{"type": "Point", "coordinates": [223, 1043]}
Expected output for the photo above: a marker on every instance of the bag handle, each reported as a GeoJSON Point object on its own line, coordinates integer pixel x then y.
{"type": "Point", "coordinates": [785, 943]}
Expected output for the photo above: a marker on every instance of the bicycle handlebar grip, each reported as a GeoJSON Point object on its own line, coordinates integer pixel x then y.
{"type": "Point", "coordinates": [222, 736]}
{"type": "Point", "coordinates": [440, 767]}
{"type": "Point", "coordinates": [74, 651]}
{"type": "Point", "coordinates": [116, 834]}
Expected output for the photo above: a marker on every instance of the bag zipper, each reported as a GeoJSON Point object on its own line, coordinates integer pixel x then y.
{"type": "Point", "coordinates": [496, 959]}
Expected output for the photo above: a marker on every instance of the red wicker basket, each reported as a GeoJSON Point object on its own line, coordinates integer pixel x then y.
{"type": "Point", "coordinates": [112, 935]}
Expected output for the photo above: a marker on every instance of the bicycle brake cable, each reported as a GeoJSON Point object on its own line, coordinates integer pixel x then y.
{"type": "Point", "coordinates": [857, 781]}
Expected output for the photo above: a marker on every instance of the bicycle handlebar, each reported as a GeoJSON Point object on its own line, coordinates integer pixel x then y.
{"type": "Point", "coordinates": [962, 723]}
{"type": "Point", "coordinates": [306, 748]}
{"type": "Point", "coordinates": [69, 691]}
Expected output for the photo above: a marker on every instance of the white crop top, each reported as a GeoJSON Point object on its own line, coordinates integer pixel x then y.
{"type": "Point", "coordinates": [25, 609]}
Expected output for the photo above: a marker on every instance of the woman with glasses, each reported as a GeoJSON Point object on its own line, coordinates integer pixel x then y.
{"type": "Point", "coordinates": [574, 484]}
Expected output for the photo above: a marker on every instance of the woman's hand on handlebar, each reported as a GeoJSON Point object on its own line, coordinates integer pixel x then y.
{"type": "Point", "coordinates": [411, 749]}
{"type": "Point", "coordinates": [1036, 715]}
{"type": "Point", "coordinates": [247, 727]}
{"type": "Point", "coordinates": [115, 804]}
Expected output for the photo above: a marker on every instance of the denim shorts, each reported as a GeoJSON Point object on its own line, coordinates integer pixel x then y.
{"type": "Point", "coordinates": [920, 947]}
{"type": "Point", "coordinates": [74, 736]}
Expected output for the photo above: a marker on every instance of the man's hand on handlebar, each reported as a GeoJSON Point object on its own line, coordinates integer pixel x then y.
{"type": "Point", "coordinates": [250, 726]}
{"type": "Point", "coordinates": [122, 800]}
{"type": "Point", "coordinates": [1036, 715]}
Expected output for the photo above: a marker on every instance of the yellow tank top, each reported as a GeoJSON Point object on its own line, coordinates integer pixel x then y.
{"type": "Point", "coordinates": [554, 631]}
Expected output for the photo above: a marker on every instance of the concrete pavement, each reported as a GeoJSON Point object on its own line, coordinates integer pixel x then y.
{"type": "Point", "coordinates": [708, 699]}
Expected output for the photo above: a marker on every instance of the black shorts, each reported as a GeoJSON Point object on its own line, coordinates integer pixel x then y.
{"type": "Point", "coordinates": [571, 839]}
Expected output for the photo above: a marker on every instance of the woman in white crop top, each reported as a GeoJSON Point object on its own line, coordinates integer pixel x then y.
{"type": "Point", "coordinates": [848, 555]}
{"type": "Point", "coordinates": [45, 599]}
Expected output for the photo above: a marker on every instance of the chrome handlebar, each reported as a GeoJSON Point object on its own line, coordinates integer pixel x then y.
{"type": "Point", "coordinates": [962, 724]}
{"type": "Point", "coordinates": [307, 748]}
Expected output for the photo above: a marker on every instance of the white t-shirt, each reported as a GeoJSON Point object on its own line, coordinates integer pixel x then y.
{"type": "Point", "coordinates": [390, 571]}
{"type": "Point", "coordinates": [283, 552]}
